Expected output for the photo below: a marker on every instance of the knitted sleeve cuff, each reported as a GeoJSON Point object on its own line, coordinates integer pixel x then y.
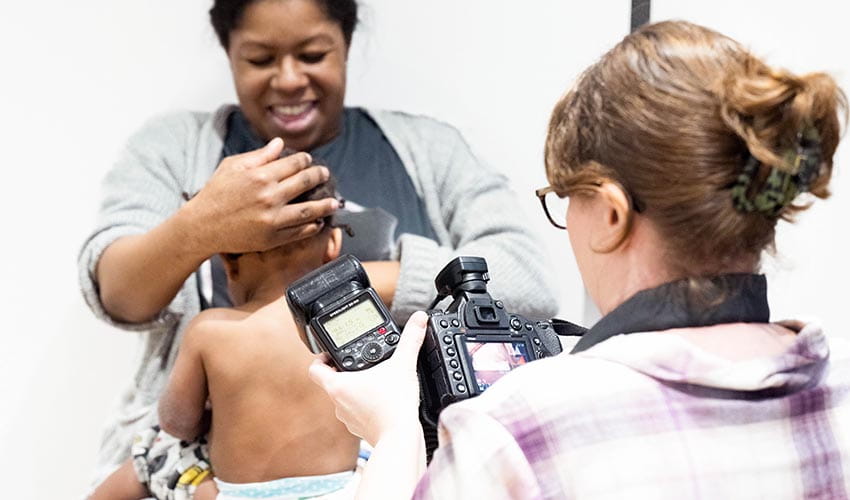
{"type": "Point", "coordinates": [87, 268]}
{"type": "Point", "coordinates": [421, 259]}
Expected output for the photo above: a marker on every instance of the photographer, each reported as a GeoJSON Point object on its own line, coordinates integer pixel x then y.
{"type": "Point", "coordinates": [679, 152]}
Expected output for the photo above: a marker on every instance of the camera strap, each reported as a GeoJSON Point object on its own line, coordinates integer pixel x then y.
{"type": "Point", "coordinates": [730, 298]}
{"type": "Point", "coordinates": [565, 328]}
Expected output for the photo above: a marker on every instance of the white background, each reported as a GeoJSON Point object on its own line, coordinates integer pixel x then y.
{"type": "Point", "coordinates": [79, 77]}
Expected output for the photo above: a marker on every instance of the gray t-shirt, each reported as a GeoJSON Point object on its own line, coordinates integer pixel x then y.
{"type": "Point", "coordinates": [370, 174]}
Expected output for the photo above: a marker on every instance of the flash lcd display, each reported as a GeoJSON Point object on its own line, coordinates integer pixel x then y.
{"type": "Point", "coordinates": [353, 323]}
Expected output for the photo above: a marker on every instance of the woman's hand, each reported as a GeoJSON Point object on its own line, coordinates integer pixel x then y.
{"type": "Point", "coordinates": [375, 401]}
{"type": "Point", "coordinates": [244, 206]}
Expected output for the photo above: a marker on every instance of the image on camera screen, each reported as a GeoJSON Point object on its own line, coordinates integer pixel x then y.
{"type": "Point", "coordinates": [491, 360]}
{"type": "Point", "coordinates": [352, 323]}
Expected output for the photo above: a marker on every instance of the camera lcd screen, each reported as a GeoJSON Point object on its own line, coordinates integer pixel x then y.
{"type": "Point", "coordinates": [353, 323]}
{"type": "Point", "coordinates": [491, 360]}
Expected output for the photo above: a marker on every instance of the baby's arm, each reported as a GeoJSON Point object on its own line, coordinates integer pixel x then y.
{"type": "Point", "coordinates": [181, 406]}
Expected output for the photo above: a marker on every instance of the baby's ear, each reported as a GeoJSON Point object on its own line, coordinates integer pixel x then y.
{"type": "Point", "coordinates": [231, 265]}
{"type": "Point", "coordinates": [334, 245]}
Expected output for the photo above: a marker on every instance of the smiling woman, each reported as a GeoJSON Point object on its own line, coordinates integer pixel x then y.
{"type": "Point", "coordinates": [290, 83]}
{"type": "Point", "coordinates": [190, 186]}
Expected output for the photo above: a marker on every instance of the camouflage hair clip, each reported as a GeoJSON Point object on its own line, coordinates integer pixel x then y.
{"type": "Point", "coordinates": [780, 187]}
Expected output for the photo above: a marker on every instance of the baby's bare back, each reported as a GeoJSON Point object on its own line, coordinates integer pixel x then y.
{"type": "Point", "coordinates": [269, 420]}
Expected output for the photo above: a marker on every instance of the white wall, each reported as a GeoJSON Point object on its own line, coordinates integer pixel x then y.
{"type": "Point", "coordinates": [810, 274]}
{"type": "Point", "coordinates": [80, 76]}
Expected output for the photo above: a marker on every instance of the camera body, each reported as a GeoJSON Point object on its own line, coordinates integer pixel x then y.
{"type": "Point", "coordinates": [344, 314]}
{"type": "Point", "coordinates": [475, 341]}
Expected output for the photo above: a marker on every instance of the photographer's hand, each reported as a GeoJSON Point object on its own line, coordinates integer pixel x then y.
{"type": "Point", "coordinates": [381, 405]}
{"type": "Point", "coordinates": [373, 401]}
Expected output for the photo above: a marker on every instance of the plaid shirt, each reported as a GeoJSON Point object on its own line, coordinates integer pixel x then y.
{"type": "Point", "coordinates": [650, 415]}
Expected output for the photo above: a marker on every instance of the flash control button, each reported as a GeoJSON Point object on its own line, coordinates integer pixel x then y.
{"type": "Point", "coordinates": [347, 362]}
{"type": "Point", "coordinates": [515, 324]}
{"type": "Point", "coordinates": [372, 351]}
{"type": "Point", "coordinates": [392, 339]}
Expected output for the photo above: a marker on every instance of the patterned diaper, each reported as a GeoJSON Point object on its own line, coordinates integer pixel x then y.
{"type": "Point", "coordinates": [339, 486]}
{"type": "Point", "coordinates": [170, 468]}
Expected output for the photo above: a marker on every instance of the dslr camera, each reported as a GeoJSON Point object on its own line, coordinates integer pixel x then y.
{"type": "Point", "coordinates": [475, 341]}
{"type": "Point", "coordinates": [467, 347]}
{"type": "Point", "coordinates": [343, 314]}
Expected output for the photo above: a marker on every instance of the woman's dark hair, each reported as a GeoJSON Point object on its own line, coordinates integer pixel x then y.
{"type": "Point", "coordinates": [226, 15]}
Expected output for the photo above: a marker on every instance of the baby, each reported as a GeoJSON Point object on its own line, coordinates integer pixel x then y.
{"type": "Point", "coordinates": [273, 432]}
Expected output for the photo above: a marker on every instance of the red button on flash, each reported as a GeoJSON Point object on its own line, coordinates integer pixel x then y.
{"type": "Point", "coordinates": [382, 330]}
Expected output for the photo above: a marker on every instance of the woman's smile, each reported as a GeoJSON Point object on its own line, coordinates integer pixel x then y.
{"type": "Point", "coordinates": [294, 118]}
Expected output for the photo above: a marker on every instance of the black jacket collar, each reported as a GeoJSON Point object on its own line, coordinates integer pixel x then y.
{"type": "Point", "coordinates": [734, 298]}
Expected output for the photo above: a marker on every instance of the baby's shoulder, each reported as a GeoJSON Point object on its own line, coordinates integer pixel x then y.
{"type": "Point", "coordinates": [212, 323]}
{"type": "Point", "coordinates": [221, 314]}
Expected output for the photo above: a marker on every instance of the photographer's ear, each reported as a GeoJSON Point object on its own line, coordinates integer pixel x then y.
{"type": "Point", "coordinates": [613, 218]}
{"type": "Point", "coordinates": [334, 245]}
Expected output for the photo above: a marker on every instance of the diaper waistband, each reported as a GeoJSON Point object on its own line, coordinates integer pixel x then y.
{"type": "Point", "coordinates": [286, 488]}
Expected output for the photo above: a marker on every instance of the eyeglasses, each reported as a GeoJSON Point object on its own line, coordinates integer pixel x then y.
{"type": "Point", "coordinates": [554, 205]}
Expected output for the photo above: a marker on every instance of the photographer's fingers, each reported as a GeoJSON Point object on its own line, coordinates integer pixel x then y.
{"type": "Point", "coordinates": [412, 336]}
{"type": "Point", "coordinates": [321, 374]}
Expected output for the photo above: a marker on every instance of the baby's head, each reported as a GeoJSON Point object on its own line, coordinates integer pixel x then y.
{"type": "Point", "coordinates": [246, 272]}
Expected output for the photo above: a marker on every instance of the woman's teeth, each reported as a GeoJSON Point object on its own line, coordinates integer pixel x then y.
{"type": "Point", "coordinates": [291, 110]}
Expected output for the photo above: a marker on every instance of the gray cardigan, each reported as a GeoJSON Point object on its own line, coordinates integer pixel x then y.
{"type": "Point", "coordinates": [469, 205]}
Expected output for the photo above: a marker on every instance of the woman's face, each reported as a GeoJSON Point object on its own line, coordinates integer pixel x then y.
{"type": "Point", "coordinates": [288, 62]}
